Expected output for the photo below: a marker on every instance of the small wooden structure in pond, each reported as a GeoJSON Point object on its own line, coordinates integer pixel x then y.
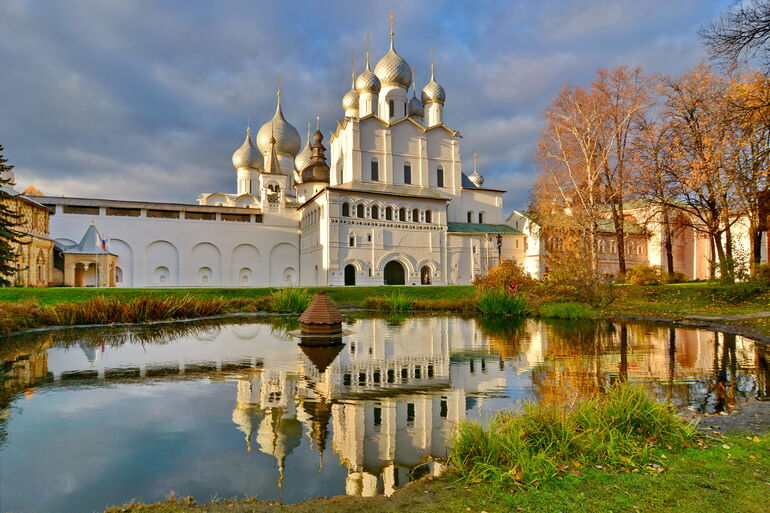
{"type": "Point", "coordinates": [321, 317]}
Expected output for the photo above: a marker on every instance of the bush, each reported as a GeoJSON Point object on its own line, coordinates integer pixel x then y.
{"type": "Point", "coordinates": [566, 311]}
{"type": "Point", "coordinates": [502, 302]}
{"type": "Point", "coordinates": [503, 275]}
{"type": "Point", "coordinates": [395, 302]}
{"type": "Point", "coordinates": [644, 275]}
{"type": "Point", "coordinates": [539, 442]}
{"type": "Point", "coordinates": [290, 300]}
{"type": "Point", "coordinates": [761, 274]}
{"type": "Point", "coordinates": [576, 285]}
{"type": "Point", "coordinates": [678, 277]}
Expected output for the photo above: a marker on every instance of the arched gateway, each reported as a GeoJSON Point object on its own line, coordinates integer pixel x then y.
{"type": "Point", "coordinates": [350, 274]}
{"type": "Point", "coordinates": [394, 273]}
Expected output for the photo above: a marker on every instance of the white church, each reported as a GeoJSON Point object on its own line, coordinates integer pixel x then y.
{"type": "Point", "coordinates": [388, 203]}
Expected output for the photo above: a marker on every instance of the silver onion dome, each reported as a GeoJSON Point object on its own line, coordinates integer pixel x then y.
{"type": "Point", "coordinates": [433, 92]}
{"type": "Point", "coordinates": [393, 70]}
{"type": "Point", "coordinates": [416, 108]}
{"type": "Point", "coordinates": [286, 136]}
{"type": "Point", "coordinates": [367, 82]}
{"type": "Point", "coordinates": [350, 100]}
{"type": "Point", "coordinates": [303, 159]}
{"type": "Point", "coordinates": [247, 156]}
{"type": "Point", "coordinates": [475, 177]}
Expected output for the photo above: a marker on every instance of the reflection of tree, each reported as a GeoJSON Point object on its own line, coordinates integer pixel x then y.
{"type": "Point", "coordinates": [762, 355]}
{"type": "Point", "coordinates": [507, 335]}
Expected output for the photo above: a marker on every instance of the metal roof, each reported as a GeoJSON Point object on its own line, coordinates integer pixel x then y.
{"type": "Point", "coordinates": [391, 190]}
{"type": "Point", "coordinates": [502, 229]}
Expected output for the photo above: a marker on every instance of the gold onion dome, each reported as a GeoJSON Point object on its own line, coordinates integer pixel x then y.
{"type": "Point", "coordinates": [303, 159]}
{"type": "Point", "coordinates": [247, 156]}
{"type": "Point", "coordinates": [350, 100]}
{"type": "Point", "coordinates": [317, 170]}
{"type": "Point", "coordinates": [433, 92]}
{"type": "Point", "coordinates": [286, 136]}
{"type": "Point", "coordinates": [393, 70]}
{"type": "Point", "coordinates": [367, 82]}
{"type": "Point", "coordinates": [416, 108]}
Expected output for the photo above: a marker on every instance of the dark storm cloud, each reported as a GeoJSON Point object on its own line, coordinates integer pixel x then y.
{"type": "Point", "coordinates": [147, 100]}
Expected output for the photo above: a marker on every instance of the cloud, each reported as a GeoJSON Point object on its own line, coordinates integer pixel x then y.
{"type": "Point", "coordinates": [147, 100]}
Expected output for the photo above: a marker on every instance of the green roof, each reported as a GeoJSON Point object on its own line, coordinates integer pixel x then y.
{"type": "Point", "coordinates": [629, 226]}
{"type": "Point", "coordinates": [503, 229]}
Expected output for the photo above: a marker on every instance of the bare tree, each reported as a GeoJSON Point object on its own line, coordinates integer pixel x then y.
{"type": "Point", "coordinates": [741, 33]}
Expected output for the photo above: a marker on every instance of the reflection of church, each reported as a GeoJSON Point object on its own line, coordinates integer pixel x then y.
{"type": "Point", "coordinates": [389, 396]}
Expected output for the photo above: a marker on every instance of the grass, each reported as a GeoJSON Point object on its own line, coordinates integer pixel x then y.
{"type": "Point", "coordinates": [501, 302]}
{"type": "Point", "coordinates": [619, 430]}
{"type": "Point", "coordinates": [566, 311]}
{"type": "Point", "coordinates": [704, 477]}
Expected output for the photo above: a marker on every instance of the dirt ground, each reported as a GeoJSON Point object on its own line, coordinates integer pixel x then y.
{"type": "Point", "coordinates": [751, 417]}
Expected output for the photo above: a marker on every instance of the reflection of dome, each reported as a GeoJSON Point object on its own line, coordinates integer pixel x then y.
{"type": "Point", "coordinates": [279, 437]}
{"type": "Point", "coordinates": [245, 331]}
{"type": "Point", "coordinates": [286, 136]}
{"type": "Point", "coordinates": [247, 156]}
{"type": "Point", "coordinates": [246, 418]}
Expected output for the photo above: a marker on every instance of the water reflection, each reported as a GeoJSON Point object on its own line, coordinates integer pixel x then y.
{"type": "Point", "coordinates": [242, 409]}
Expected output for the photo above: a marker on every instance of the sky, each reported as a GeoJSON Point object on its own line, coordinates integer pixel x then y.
{"type": "Point", "coordinates": [147, 100]}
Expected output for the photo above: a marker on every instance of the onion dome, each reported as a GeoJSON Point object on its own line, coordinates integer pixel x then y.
{"type": "Point", "coordinates": [247, 156]}
{"type": "Point", "coordinates": [286, 136]}
{"type": "Point", "coordinates": [393, 70]}
{"type": "Point", "coordinates": [317, 170]}
{"type": "Point", "coordinates": [367, 82]}
{"type": "Point", "coordinates": [433, 92]}
{"type": "Point", "coordinates": [475, 177]}
{"type": "Point", "coordinates": [303, 159]}
{"type": "Point", "coordinates": [416, 108]}
{"type": "Point", "coordinates": [350, 100]}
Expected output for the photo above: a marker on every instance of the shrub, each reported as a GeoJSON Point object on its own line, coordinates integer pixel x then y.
{"type": "Point", "coordinates": [576, 285]}
{"type": "Point", "coordinates": [290, 300]}
{"type": "Point", "coordinates": [502, 302]}
{"type": "Point", "coordinates": [644, 275]}
{"type": "Point", "coordinates": [541, 441]}
{"type": "Point", "coordinates": [678, 277]}
{"type": "Point", "coordinates": [503, 275]}
{"type": "Point", "coordinates": [761, 274]}
{"type": "Point", "coordinates": [566, 311]}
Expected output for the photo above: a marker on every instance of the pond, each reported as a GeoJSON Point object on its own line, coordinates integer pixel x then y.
{"type": "Point", "coordinates": [98, 417]}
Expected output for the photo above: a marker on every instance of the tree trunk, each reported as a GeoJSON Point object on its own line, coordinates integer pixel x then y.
{"type": "Point", "coordinates": [617, 219]}
{"type": "Point", "coordinates": [724, 268]}
{"type": "Point", "coordinates": [755, 242]}
{"type": "Point", "coordinates": [668, 244]}
{"type": "Point", "coordinates": [712, 258]}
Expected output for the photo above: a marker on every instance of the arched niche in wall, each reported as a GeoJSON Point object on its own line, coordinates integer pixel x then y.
{"type": "Point", "coordinates": [246, 262]}
{"type": "Point", "coordinates": [161, 254]}
{"type": "Point", "coordinates": [205, 254]}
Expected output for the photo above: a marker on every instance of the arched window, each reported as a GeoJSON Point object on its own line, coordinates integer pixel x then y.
{"type": "Point", "coordinates": [481, 217]}
{"type": "Point", "coordinates": [440, 176]}
{"type": "Point", "coordinates": [360, 211]}
{"type": "Point", "coordinates": [408, 173]}
{"type": "Point", "coordinates": [389, 214]}
{"type": "Point", "coordinates": [402, 215]}
{"type": "Point", "coordinates": [415, 215]}
{"type": "Point", "coordinates": [375, 170]}
{"type": "Point", "coordinates": [345, 210]}
{"type": "Point", "coordinates": [428, 216]}
{"type": "Point", "coordinates": [391, 109]}
{"type": "Point", "coordinates": [375, 212]}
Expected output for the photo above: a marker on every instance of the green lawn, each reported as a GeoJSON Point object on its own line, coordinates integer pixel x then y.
{"type": "Point", "coordinates": [698, 480]}
{"type": "Point", "coordinates": [341, 295]}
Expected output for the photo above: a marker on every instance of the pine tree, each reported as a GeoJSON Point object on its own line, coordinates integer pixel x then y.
{"type": "Point", "coordinates": [10, 237]}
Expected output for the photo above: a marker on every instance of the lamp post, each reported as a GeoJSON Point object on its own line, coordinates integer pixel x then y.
{"type": "Point", "coordinates": [499, 248]}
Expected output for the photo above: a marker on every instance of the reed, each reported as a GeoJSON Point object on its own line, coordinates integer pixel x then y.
{"type": "Point", "coordinates": [502, 302]}
{"type": "Point", "coordinates": [393, 302]}
{"type": "Point", "coordinates": [620, 430]}
{"type": "Point", "coordinates": [290, 300]}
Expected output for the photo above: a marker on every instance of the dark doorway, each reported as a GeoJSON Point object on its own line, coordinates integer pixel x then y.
{"type": "Point", "coordinates": [425, 275]}
{"type": "Point", "coordinates": [394, 273]}
{"type": "Point", "coordinates": [350, 274]}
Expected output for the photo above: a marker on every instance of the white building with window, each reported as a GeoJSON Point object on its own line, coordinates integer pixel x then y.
{"type": "Point", "coordinates": [391, 206]}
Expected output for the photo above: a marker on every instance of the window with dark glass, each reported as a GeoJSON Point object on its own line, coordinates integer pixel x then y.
{"type": "Point", "coordinates": [416, 215]}
{"type": "Point", "coordinates": [428, 216]}
{"type": "Point", "coordinates": [352, 241]}
{"type": "Point", "coordinates": [402, 215]}
{"type": "Point", "coordinates": [345, 210]}
{"type": "Point", "coordinates": [375, 212]}
{"type": "Point", "coordinates": [375, 171]}
{"type": "Point", "coordinates": [440, 177]}
{"type": "Point", "coordinates": [481, 217]}
{"type": "Point", "coordinates": [360, 211]}
{"type": "Point", "coordinates": [389, 214]}
{"type": "Point", "coordinates": [391, 109]}
{"type": "Point", "coordinates": [407, 173]}
{"type": "Point", "coordinates": [470, 217]}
